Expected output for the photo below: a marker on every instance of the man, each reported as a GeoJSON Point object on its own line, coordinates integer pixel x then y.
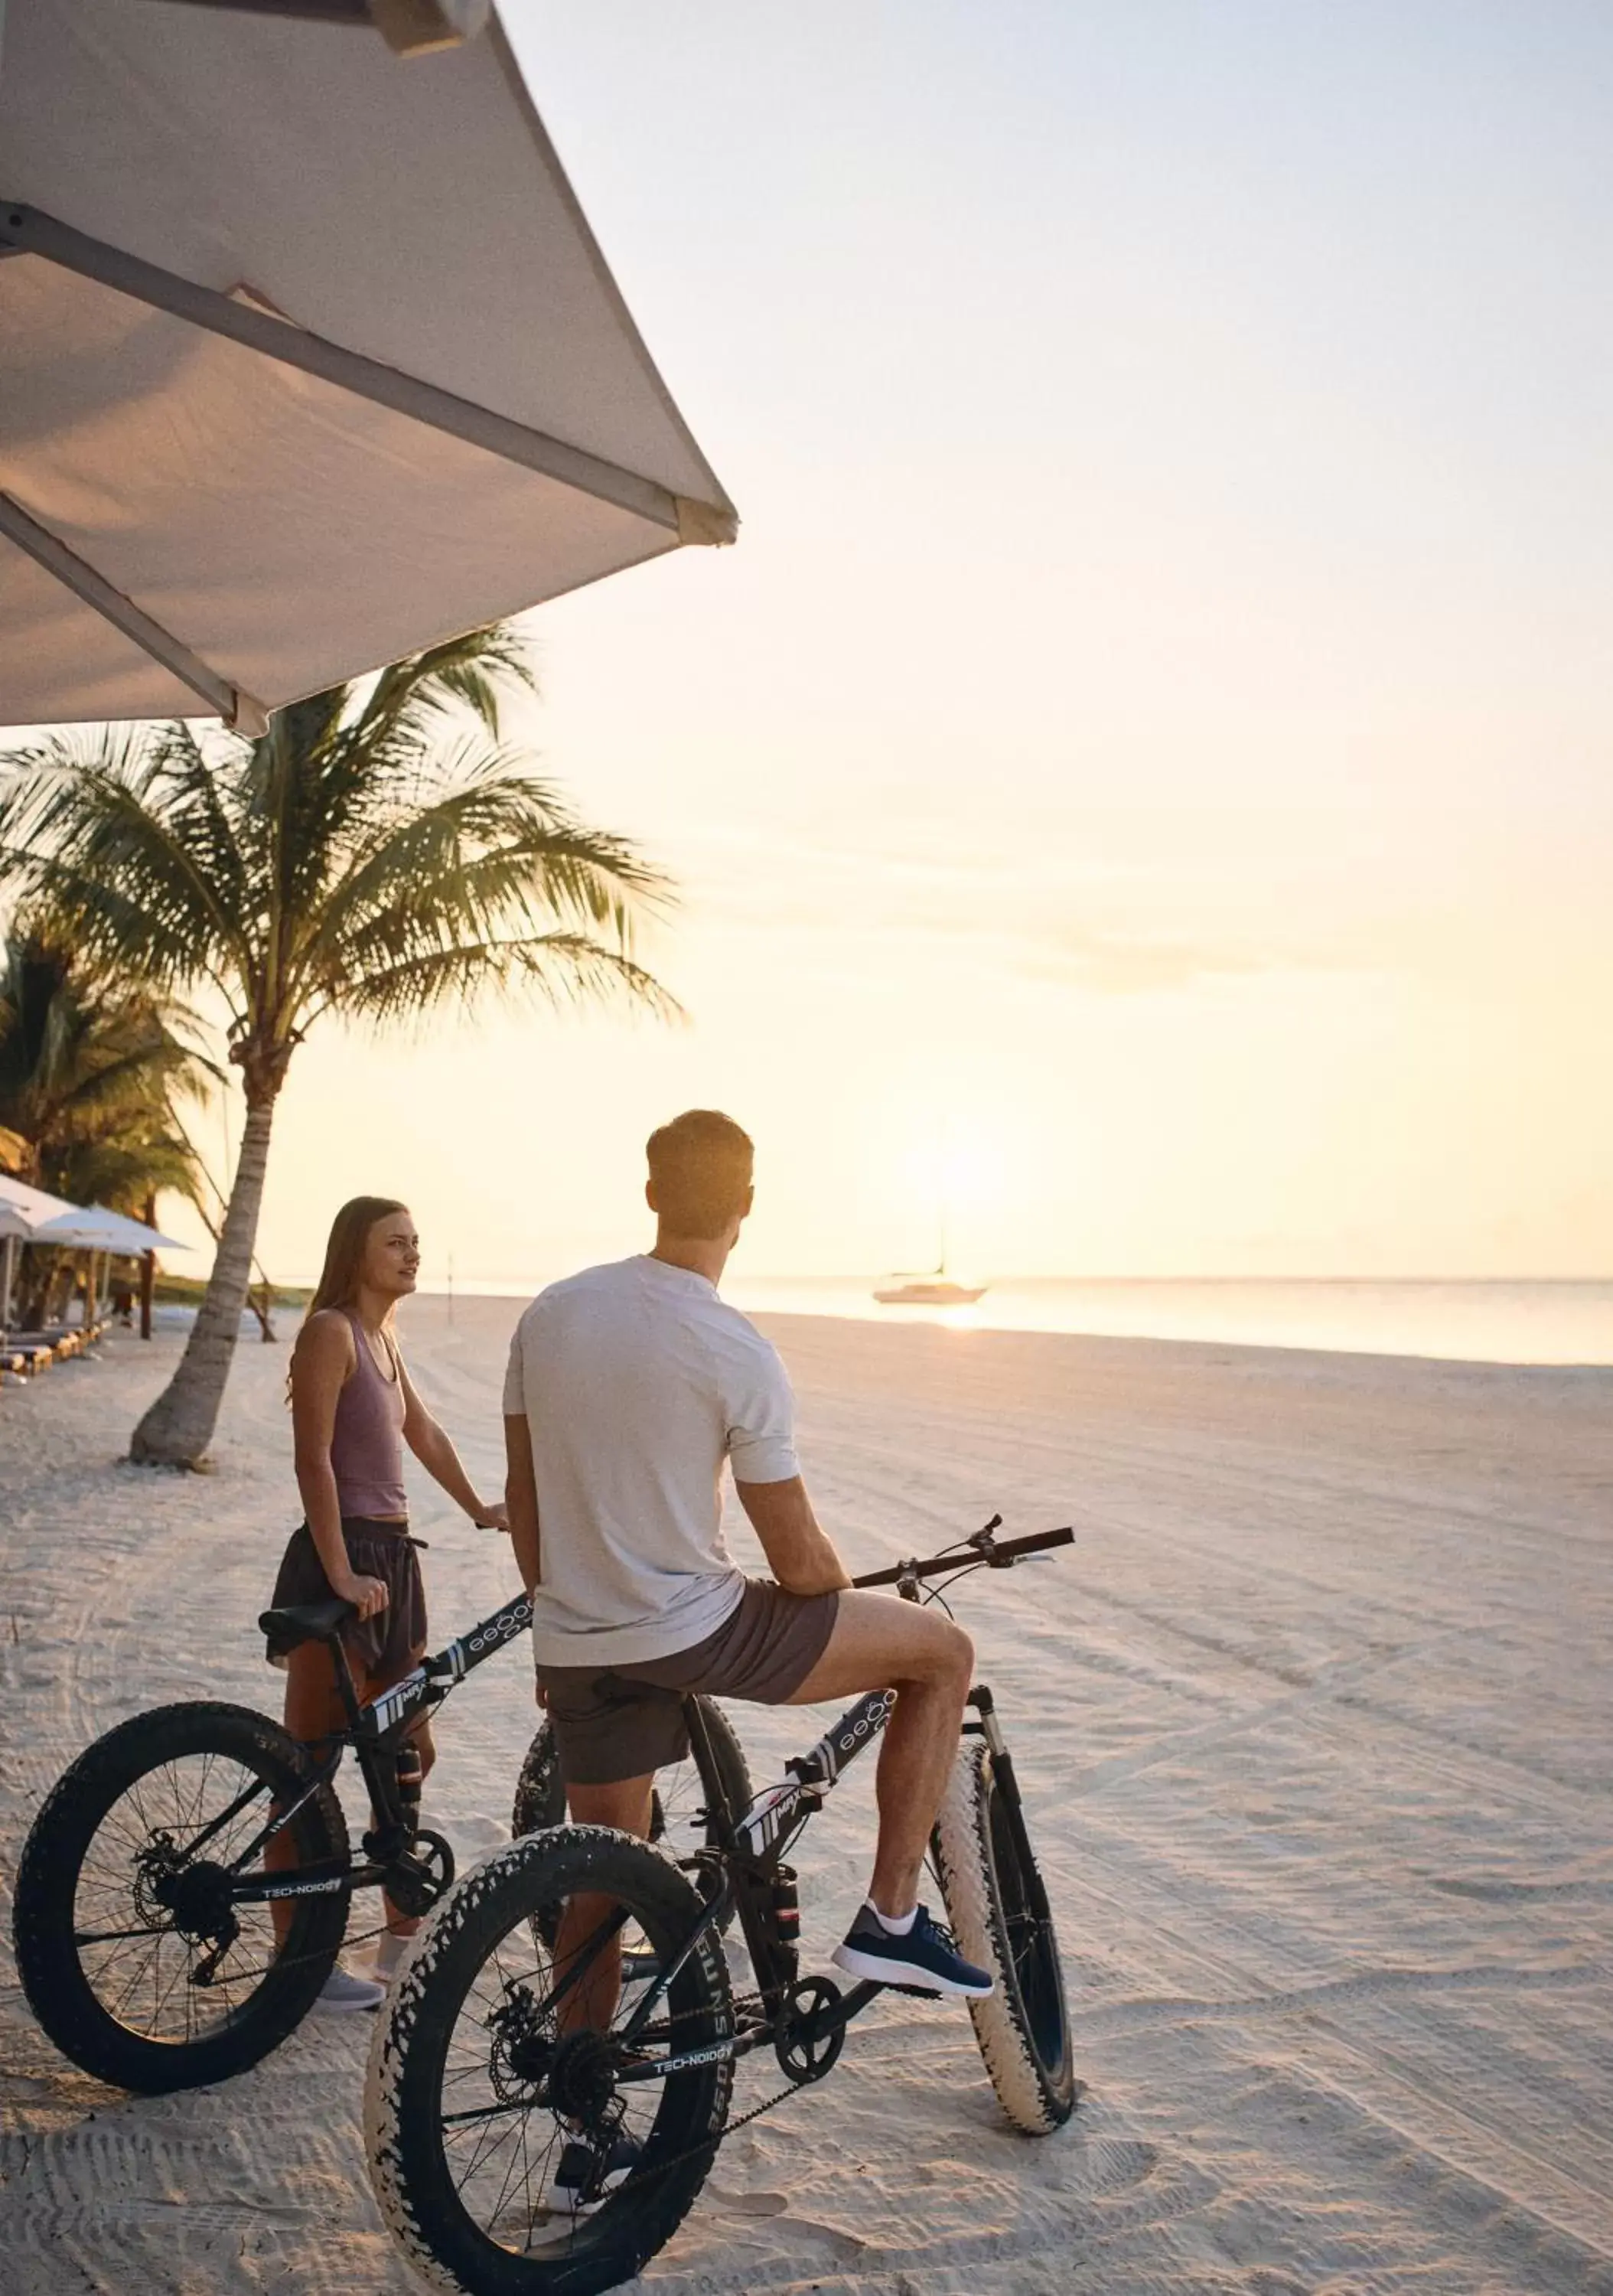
{"type": "Point", "coordinates": [628, 1386]}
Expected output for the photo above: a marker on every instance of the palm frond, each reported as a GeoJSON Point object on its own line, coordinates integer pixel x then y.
{"type": "Point", "coordinates": [559, 968]}
{"type": "Point", "coordinates": [476, 671]}
{"type": "Point", "coordinates": [107, 839]}
{"type": "Point", "coordinates": [492, 855]}
{"type": "Point", "coordinates": [122, 1173]}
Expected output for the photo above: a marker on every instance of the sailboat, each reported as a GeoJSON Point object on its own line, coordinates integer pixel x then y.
{"type": "Point", "coordinates": [932, 1288]}
{"type": "Point", "coordinates": [936, 1289]}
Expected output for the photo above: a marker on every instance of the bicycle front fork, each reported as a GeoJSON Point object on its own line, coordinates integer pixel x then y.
{"type": "Point", "coordinates": [1006, 1782]}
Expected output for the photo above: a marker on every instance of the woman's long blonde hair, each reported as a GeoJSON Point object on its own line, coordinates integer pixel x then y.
{"type": "Point", "coordinates": [338, 1283]}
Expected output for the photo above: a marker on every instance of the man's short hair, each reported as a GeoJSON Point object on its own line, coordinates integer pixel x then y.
{"type": "Point", "coordinates": [701, 1164]}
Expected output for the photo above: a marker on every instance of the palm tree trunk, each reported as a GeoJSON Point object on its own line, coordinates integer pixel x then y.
{"type": "Point", "coordinates": [148, 1270]}
{"type": "Point", "coordinates": [177, 1429]}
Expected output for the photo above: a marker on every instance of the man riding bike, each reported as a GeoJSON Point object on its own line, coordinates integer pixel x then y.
{"type": "Point", "coordinates": [628, 1385]}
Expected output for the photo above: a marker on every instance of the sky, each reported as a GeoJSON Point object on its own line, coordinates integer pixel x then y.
{"type": "Point", "coordinates": [1143, 771]}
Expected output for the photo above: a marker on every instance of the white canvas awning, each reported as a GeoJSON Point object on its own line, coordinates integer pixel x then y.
{"type": "Point", "coordinates": [307, 359]}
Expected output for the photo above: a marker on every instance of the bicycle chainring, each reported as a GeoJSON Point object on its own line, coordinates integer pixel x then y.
{"type": "Point", "coordinates": [422, 1875]}
{"type": "Point", "coordinates": [807, 2045]}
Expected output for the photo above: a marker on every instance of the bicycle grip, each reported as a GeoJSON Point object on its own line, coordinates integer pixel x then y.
{"type": "Point", "coordinates": [937, 1566]}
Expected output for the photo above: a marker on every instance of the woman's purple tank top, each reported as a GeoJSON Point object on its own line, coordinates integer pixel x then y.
{"type": "Point", "coordinates": [367, 1441]}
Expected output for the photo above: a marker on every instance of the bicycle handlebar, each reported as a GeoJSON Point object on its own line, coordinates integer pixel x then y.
{"type": "Point", "coordinates": [996, 1557]}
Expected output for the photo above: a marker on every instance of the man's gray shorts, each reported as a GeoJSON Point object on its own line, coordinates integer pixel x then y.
{"type": "Point", "coordinates": [612, 1723]}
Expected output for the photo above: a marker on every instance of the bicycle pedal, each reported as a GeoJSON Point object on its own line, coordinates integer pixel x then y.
{"type": "Point", "coordinates": [916, 1992]}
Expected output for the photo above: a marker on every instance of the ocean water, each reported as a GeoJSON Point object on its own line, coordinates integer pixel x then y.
{"type": "Point", "coordinates": [1520, 1323]}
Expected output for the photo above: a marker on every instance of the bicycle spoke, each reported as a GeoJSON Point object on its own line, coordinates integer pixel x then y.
{"type": "Point", "coordinates": [198, 1807]}
{"type": "Point", "coordinates": [500, 2143]}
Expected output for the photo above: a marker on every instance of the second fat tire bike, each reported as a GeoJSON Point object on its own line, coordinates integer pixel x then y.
{"type": "Point", "coordinates": [525, 2141]}
{"type": "Point", "coordinates": [144, 1916]}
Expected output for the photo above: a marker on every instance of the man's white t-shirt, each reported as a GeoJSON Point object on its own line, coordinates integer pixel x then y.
{"type": "Point", "coordinates": [638, 1382]}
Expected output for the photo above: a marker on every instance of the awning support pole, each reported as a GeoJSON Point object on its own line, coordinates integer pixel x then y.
{"type": "Point", "coordinates": [76, 574]}
{"type": "Point", "coordinates": [30, 233]}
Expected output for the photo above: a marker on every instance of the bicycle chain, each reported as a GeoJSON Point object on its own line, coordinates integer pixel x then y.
{"type": "Point", "coordinates": [729, 2127]}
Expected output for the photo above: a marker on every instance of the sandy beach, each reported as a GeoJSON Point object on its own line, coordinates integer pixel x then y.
{"type": "Point", "coordinates": [1314, 1728]}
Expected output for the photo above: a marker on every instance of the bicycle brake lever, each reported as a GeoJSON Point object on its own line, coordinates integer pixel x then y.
{"type": "Point", "coordinates": [983, 1542]}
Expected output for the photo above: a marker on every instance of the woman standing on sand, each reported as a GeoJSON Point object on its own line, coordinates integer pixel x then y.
{"type": "Point", "coordinates": [353, 1409]}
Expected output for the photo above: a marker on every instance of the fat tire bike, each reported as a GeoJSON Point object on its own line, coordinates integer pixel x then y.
{"type": "Point", "coordinates": [486, 2083]}
{"type": "Point", "coordinates": [142, 1920]}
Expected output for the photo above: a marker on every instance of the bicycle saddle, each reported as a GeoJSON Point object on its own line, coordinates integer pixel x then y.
{"type": "Point", "coordinates": [307, 1622]}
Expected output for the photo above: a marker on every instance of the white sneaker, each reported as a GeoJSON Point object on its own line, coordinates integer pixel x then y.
{"type": "Point", "coordinates": [342, 1992]}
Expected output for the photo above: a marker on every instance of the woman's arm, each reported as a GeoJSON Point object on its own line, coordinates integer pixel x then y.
{"type": "Point", "coordinates": [431, 1446]}
{"type": "Point", "coordinates": [321, 1366]}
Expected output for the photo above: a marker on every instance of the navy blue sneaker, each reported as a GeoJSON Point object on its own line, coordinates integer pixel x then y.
{"type": "Point", "coordinates": [588, 2172]}
{"type": "Point", "coordinates": [926, 1960]}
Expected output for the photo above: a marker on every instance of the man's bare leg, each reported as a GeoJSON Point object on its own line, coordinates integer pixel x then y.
{"type": "Point", "coordinates": [627, 1806]}
{"type": "Point", "coordinates": [881, 1644]}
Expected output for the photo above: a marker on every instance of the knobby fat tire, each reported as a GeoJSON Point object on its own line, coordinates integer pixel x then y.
{"type": "Point", "coordinates": [404, 2095]}
{"type": "Point", "coordinates": [59, 1990]}
{"type": "Point", "coordinates": [540, 1796]}
{"type": "Point", "coordinates": [1036, 2090]}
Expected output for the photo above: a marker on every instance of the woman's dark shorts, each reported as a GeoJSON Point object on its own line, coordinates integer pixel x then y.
{"type": "Point", "coordinates": [382, 1649]}
{"type": "Point", "coordinates": [620, 1722]}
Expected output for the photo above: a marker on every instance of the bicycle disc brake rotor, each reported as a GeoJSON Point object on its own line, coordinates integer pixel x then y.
{"type": "Point", "coordinates": [807, 2045]}
{"type": "Point", "coordinates": [192, 1899]}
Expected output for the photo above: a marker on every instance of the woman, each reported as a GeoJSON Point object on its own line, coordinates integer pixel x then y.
{"type": "Point", "coordinates": [353, 1409]}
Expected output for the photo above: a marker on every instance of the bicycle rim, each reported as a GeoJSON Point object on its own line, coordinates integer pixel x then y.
{"type": "Point", "coordinates": [491, 2068]}
{"type": "Point", "coordinates": [1038, 1975]}
{"type": "Point", "coordinates": [137, 1962]}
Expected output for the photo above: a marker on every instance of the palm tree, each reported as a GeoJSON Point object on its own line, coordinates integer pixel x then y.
{"type": "Point", "coordinates": [378, 853]}
{"type": "Point", "coordinates": [90, 1075]}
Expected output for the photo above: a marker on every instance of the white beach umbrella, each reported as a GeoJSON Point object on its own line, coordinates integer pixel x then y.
{"type": "Point", "coordinates": [308, 359]}
{"type": "Point", "coordinates": [94, 1228]}
{"type": "Point", "coordinates": [24, 1212]}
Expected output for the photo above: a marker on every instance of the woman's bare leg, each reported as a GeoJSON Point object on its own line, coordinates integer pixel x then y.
{"type": "Point", "coordinates": [400, 1924]}
{"type": "Point", "coordinates": [313, 1711]}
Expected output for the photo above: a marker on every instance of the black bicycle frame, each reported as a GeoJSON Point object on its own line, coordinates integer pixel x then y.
{"type": "Point", "coordinates": [750, 1846]}
{"type": "Point", "coordinates": [377, 1729]}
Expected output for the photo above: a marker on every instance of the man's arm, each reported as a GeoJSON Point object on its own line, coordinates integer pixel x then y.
{"type": "Point", "coordinates": [801, 1556]}
{"type": "Point", "coordinates": [520, 1497]}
